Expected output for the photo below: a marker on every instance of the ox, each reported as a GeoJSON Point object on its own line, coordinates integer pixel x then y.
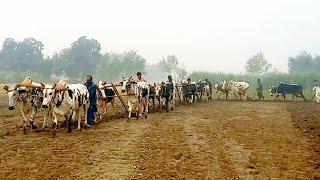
{"type": "Point", "coordinates": [220, 91]}
{"type": "Point", "coordinates": [67, 100]}
{"type": "Point", "coordinates": [27, 99]}
{"type": "Point", "coordinates": [286, 88]}
{"type": "Point", "coordinates": [203, 91]}
{"type": "Point", "coordinates": [165, 96]}
{"type": "Point", "coordinates": [105, 95]}
{"type": "Point", "coordinates": [238, 89]}
{"type": "Point", "coordinates": [189, 91]}
{"type": "Point", "coordinates": [137, 94]}
{"type": "Point", "coordinates": [316, 89]}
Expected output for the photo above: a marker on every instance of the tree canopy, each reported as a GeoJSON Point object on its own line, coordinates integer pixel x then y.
{"type": "Point", "coordinates": [304, 62]}
{"type": "Point", "coordinates": [257, 64]}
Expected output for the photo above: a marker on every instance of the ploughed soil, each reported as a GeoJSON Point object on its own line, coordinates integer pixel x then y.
{"type": "Point", "coordinates": [215, 140]}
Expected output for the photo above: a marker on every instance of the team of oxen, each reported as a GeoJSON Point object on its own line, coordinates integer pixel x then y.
{"type": "Point", "coordinates": [70, 101]}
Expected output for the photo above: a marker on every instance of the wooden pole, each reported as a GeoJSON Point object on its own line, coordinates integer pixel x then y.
{"type": "Point", "coordinates": [120, 98]}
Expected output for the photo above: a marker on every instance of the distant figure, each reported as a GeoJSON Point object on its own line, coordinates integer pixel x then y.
{"type": "Point", "coordinates": [92, 88]}
{"type": "Point", "coordinates": [139, 78]}
{"type": "Point", "coordinates": [170, 79]}
{"type": "Point", "coordinates": [260, 90]}
{"type": "Point", "coordinates": [189, 80]}
{"type": "Point", "coordinates": [210, 86]}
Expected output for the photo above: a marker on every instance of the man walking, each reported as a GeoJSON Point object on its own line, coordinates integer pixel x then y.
{"type": "Point", "coordinates": [260, 90]}
{"type": "Point", "coordinates": [92, 88]}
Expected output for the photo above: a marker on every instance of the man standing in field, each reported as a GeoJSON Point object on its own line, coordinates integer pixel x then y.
{"type": "Point", "coordinates": [210, 86]}
{"type": "Point", "coordinates": [260, 90]}
{"type": "Point", "coordinates": [92, 88]}
{"type": "Point", "coordinates": [144, 100]}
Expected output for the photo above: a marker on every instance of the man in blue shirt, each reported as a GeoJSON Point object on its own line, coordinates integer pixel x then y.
{"type": "Point", "coordinates": [92, 88]}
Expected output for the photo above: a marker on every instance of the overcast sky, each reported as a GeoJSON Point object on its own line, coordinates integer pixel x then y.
{"type": "Point", "coordinates": [206, 35]}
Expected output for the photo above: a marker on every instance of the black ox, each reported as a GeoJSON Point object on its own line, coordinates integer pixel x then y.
{"type": "Point", "coordinates": [285, 88]}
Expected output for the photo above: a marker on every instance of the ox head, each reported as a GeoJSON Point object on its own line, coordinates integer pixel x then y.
{"type": "Point", "coordinates": [101, 86]}
{"type": "Point", "coordinates": [48, 95]}
{"type": "Point", "coordinates": [126, 83]}
{"type": "Point", "coordinates": [273, 90]}
{"type": "Point", "coordinates": [158, 88]}
{"type": "Point", "coordinates": [15, 94]}
{"type": "Point", "coordinates": [316, 88]}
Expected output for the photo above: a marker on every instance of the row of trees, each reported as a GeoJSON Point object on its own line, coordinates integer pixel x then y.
{"type": "Point", "coordinates": [83, 57]}
{"type": "Point", "coordinates": [304, 62]}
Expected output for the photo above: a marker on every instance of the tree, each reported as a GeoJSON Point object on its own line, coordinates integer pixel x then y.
{"type": "Point", "coordinates": [85, 55]}
{"type": "Point", "coordinates": [181, 73]}
{"type": "Point", "coordinates": [304, 62]}
{"type": "Point", "coordinates": [257, 64]}
{"type": "Point", "coordinates": [23, 56]}
{"type": "Point", "coordinates": [169, 65]}
{"type": "Point", "coordinates": [115, 65]}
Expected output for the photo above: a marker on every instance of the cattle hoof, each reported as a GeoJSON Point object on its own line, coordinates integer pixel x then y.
{"type": "Point", "coordinates": [24, 130]}
{"type": "Point", "coordinates": [33, 126]}
{"type": "Point", "coordinates": [145, 115]}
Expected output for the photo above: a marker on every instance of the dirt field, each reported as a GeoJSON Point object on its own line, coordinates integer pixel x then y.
{"type": "Point", "coordinates": [216, 140]}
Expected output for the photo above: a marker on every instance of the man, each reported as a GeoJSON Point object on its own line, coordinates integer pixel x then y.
{"type": "Point", "coordinates": [139, 78]}
{"type": "Point", "coordinates": [144, 100]}
{"type": "Point", "coordinates": [260, 90]}
{"type": "Point", "coordinates": [210, 86]}
{"type": "Point", "coordinates": [189, 80]}
{"type": "Point", "coordinates": [92, 88]}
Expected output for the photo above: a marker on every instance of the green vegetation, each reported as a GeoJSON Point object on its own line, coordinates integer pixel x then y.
{"type": "Point", "coordinates": [26, 58]}
{"type": "Point", "coordinates": [305, 79]}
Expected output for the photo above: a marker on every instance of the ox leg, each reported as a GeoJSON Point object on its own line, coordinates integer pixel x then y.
{"type": "Point", "coordinates": [167, 104]}
{"type": "Point", "coordinates": [146, 107]}
{"type": "Point", "coordinates": [112, 105]}
{"type": "Point", "coordinates": [77, 115]}
{"type": "Point", "coordinates": [304, 98]}
{"type": "Point", "coordinates": [69, 123]}
{"type": "Point", "coordinates": [105, 110]}
{"type": "Point", "coordinates": [129, 109]}
{"type": "Point", "coordinates": [24, 125]}
{"type": "Point", "coordinates": [55, 121]}
{"type": "Point", "coordinates": [46, 116]}
{"type": "Point", "coordinates": [33, 114]}
{"type": "Point", "coordinates": [85, 110]}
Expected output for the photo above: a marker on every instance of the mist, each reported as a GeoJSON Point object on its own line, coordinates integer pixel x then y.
{"type": "Point", "coordinates": [216, 36]}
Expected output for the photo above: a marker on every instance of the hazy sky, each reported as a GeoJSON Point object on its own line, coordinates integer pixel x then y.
{"type": "Point", "coordinates": [205, 35]}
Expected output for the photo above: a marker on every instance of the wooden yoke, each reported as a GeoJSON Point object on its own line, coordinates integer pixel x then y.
{"type": "Point", "coordinates": [114, 86]}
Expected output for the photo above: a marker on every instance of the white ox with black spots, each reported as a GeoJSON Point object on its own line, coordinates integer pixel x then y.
{"type": "Point", "coordinates": [27, 99]}
{"type": "Point", "coordinates": [137, 95]}
{"type": "Point", "coordinates": [238, 89]}
{"type": "Point", "coordinates": [67, 100]}
{"type": "Point", "coordinates": [316, 89]}
{"type": "Point", "coordinates": [105, 95]}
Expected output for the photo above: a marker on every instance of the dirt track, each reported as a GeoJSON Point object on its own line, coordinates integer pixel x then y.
{"type": "Point", "coordinates": [217, 140]}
